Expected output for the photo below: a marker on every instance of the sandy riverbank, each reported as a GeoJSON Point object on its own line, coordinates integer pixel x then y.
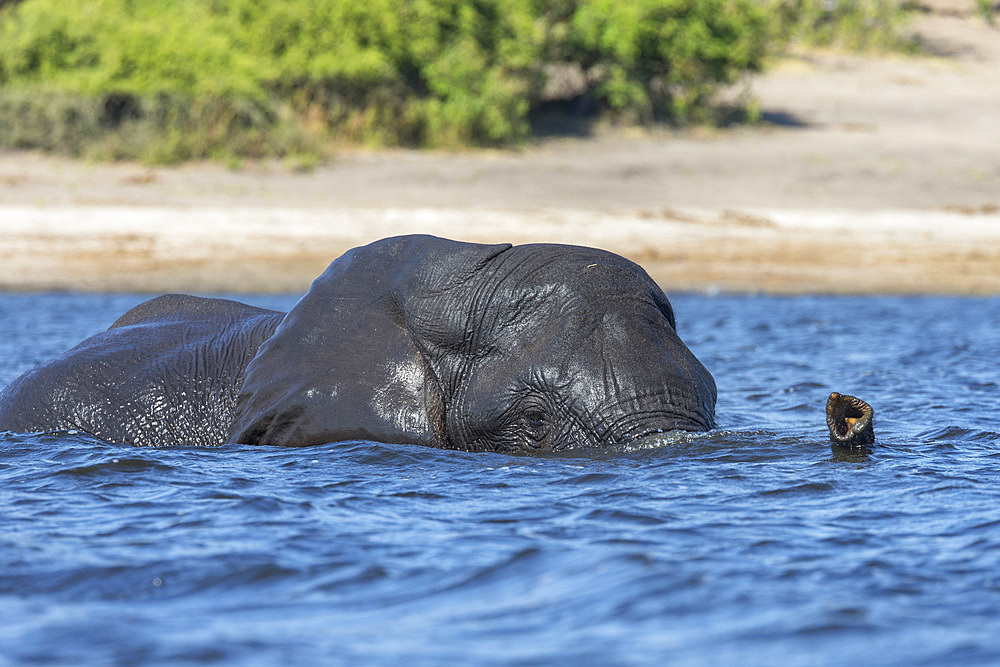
{"type": "Point", "coordinates": [233, 248]}
{"type": "Point", "coordinates": [869, 175]}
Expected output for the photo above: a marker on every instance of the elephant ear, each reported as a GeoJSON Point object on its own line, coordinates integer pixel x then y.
{"type": "Point", "coordinates": [343, 365]}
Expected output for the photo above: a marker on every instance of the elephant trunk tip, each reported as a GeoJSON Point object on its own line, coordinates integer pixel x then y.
{"type": "Point", "coordinates": [850, 421]}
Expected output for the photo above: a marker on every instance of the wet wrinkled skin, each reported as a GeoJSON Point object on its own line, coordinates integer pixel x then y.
{"type": "Point", "coordinates": [851, 422]}
{"type": "Point", "coordinates": [410, 339]}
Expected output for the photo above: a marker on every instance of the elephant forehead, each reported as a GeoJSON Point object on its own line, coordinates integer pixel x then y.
{"type": "Point", "coordinates": [604, 349]}
{"type": "Point", "coordinates": [536, 304]}
{"type": "Point", "coordinates": [585, 272]}
{"type": "Point", "coordinates": [562, 322]}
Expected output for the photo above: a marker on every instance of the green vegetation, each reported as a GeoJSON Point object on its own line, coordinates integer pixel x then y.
{"type": "Point", "coordinates": [169, 80]}
{"type": "Point", "coordinates": [862, 25]}
{"type": "Point", "coordinates": [985, 10]}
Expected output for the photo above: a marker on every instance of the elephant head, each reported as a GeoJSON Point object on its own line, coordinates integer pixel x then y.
{"type": "Point", "coordinates": [422, 340]}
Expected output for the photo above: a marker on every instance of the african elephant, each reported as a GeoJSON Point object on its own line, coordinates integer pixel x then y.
{"type": "Point", "coordinates": [411, 339]}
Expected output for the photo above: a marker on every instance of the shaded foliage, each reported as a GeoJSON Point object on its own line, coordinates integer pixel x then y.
{"type": "Point", "coordinates": [861, 25]}
{"type": "Point", "coordinates": [169, 80]}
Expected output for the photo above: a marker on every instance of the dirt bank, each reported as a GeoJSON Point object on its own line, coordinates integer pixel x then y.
{"type": "Point", "coordinates": [868, 175]}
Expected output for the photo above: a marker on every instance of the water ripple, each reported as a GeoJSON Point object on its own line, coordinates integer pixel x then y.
{"type": "Point", "coordinates": [756, 539]}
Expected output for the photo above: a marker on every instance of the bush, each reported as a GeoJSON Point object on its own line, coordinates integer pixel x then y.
{"type": "Point", "coordinates": [177, 79]}
{"type": "Point", "coordinates": [655, 59]}
{"type": "Point", "coordinates": [861, 25]}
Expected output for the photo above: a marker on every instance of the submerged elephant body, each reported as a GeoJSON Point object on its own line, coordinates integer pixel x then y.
{"type": "Point", "coordinates": [410, 339]}
{"type": "Point", "coordinates": [166, 372]}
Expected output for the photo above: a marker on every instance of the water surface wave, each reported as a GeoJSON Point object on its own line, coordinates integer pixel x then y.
{"type": "Point", "coordinates": [755, 542]}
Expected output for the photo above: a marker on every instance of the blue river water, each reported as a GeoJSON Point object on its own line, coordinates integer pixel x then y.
{"type": "Point", "coordinates": [753, 544]}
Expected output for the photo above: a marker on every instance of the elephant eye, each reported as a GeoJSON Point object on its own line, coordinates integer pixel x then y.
{"type": "Point", "coordinates": [536, 422]}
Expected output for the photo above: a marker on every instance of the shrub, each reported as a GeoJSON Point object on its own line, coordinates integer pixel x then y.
{"type": "Point", "coordinates": [861, 25]}
{"type": "Point", "coordinates": [176, 79]}
{"type": "Point", "coordinates": [663, 59]}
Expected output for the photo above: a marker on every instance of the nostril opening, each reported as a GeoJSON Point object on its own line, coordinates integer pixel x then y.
{"type": "Point", "coordinates": [848, 420]}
